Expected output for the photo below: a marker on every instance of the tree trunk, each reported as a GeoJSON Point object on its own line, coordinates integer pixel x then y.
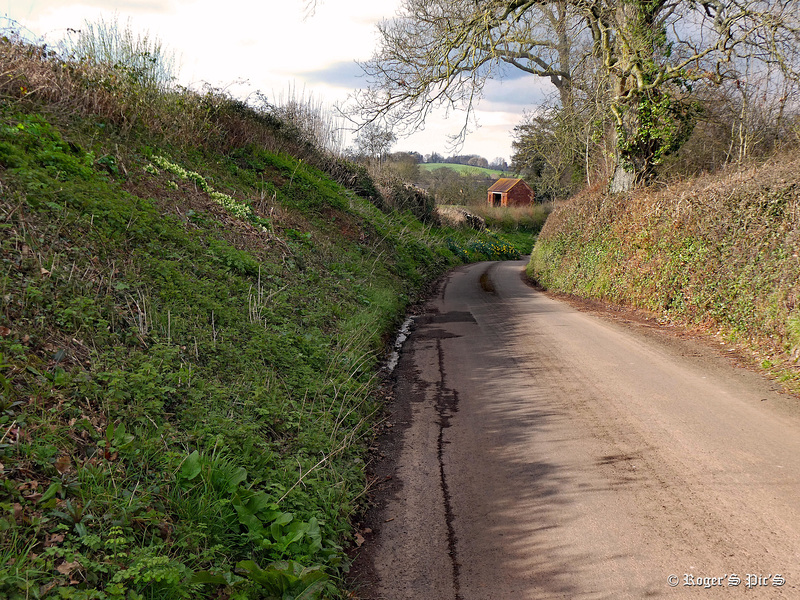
{"type": "Point", "coordinates": [624, 180]}
{"type": "Point", "coordinates": [634, 152]}
{"type": "Point", "coordinates": [633, 167]}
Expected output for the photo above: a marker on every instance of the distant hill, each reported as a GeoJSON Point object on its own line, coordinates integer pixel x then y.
{"type": "Point", "coordinates": [465, 169]}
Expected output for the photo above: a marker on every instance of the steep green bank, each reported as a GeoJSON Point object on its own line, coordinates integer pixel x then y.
{"type": "Point", "coordinates": [717, 251]}
{"type": "Point", "coordinates": [191, 319]}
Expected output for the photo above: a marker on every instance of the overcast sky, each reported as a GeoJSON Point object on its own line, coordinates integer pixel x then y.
{"type": "Point", "coordinates": [275, 46]}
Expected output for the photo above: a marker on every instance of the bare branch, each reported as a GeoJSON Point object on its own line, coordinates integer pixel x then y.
{"type": "Point", "coordinates": [440, 53]}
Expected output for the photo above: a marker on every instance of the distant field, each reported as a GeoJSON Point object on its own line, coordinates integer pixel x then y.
{"type": "Point", "coordinates": [464, 169]}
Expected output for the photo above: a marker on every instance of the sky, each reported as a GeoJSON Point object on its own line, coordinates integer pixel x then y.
{"type": "Point", "coordinates": [278, 48]}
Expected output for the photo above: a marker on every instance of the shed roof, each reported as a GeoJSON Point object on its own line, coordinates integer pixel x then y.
{"type": "Point", "coordinates": [504, 184]}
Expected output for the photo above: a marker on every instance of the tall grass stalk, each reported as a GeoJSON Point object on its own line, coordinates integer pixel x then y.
{"type": "Point", "coordinates": [142, 57]}
{"type": "Point", "coordinates": [529, 219]}
{"type": "Point", "coordinates": [317, 121]}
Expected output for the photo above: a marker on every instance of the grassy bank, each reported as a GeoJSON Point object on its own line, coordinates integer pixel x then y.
{"type": "Point", "coordinates": [192, 312]}
{"type": "Point", "coordinates": [719, 251]}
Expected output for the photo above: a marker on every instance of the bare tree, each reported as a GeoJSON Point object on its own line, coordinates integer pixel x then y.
{"type": "Point", "coordinates": [648, 57]}
{"type": "Point", "coordinates": [374, 141]}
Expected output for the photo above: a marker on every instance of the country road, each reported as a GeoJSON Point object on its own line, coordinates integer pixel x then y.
{"type": "Point", "coordinates": [541, 452]}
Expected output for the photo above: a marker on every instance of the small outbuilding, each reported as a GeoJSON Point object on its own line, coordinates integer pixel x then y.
{"type": "Point", "coordinates": [507, 191]}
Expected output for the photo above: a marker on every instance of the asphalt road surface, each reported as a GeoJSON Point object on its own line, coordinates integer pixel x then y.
{"type": "Point", "coordinates": [545, 452]}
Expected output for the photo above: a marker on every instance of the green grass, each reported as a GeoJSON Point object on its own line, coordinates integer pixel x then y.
{"type": "Point", "coordinates": [178, 400]}
{"type": "Point", "coordinates": [187, 363]}
{"type": "Point", "coordinates": [523, 241]}
{"type": "Point", "coordinates": [192, 315]}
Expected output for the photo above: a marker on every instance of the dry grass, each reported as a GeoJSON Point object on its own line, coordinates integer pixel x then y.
{"type": "Point", "coordinates": [121, 96]}
{"type": "Point", "coordinates": [530, 219]}
{"type": "Point", "coordinates": [459, 216]}
{"type": "Point", "coordinates": [36, 76]}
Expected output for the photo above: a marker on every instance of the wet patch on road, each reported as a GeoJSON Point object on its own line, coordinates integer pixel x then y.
{"type": "Point", "coordinates": [402, 336]}
{"type": "Point", "coordinates": [436, 334]}
{"type": "Point", "coordinates": [486, 283]}
{"type": "Point", "coordinates": [457, 316]}
{"type": "Point", "coordinates": [446, 407]}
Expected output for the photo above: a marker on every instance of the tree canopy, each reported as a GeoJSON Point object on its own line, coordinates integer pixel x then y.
{"type": "Point", "coordinates": [641, 61]}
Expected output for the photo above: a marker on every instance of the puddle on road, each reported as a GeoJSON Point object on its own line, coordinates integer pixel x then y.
{"type": "Point", "coordinates": [402, 336]}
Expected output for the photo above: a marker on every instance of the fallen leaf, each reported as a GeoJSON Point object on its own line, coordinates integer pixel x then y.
{"type": "Point", "coordinates": [5, 331]}
{"type": "Point", "coordinates": [66, 568]}
{"type": "Point", "coordinates": [44, 271]}
{"type": "Point", "coordinates": [63, 463]}
{"type": "Point", "coordinates": [46, 588]}
{"type": "Point", "coordinates": [359, 540]}
{"type": "Point", "coordinates": [53, 539]}
{"type": "Point", "coordinates": [165, 529]}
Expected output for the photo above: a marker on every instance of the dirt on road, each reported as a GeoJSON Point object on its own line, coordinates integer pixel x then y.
{"type": "Point", "coordinates": [535, 451]}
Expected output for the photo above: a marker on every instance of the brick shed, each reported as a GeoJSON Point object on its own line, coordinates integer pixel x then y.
{"type": "Point", "coordinates": [510, 192]}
